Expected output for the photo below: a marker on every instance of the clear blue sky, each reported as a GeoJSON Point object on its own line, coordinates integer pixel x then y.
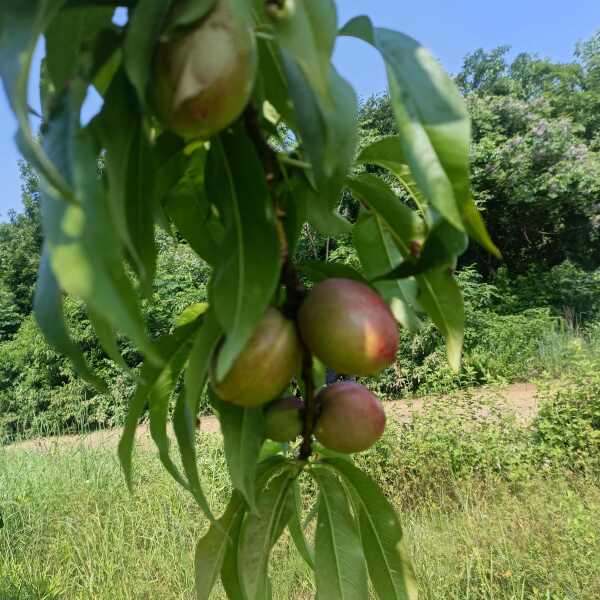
{"type": "Point", "coordinates": [450, 29]}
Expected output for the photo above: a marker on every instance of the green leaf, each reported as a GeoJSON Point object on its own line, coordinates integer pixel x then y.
{"type": "Point", "coordinates": [260, 532]}
{"type": "Point", "coordinates": [230, 575]}
{"type": "Point", "coordinates": [189, 208]}
{"type": "Point", "coordinates": [155, 388]}
{"type": "Point", "coordinates": [143, 33]}
{"type": "Point", "coordinates": [387, 153]}
{"type": "Point", "coordinates": [319, 271]}
{"type": "Point", "coordinates": [296, 530]}
{"type": "Point", "coordinates": [341, 570]}
{"type": "Point", "coordinates": [188, 13]}
{"type": "Point", "coordinates": [107, 338]}
{"type": "Point", "coordinates": [108, 54]}
{"type": "Point", "coordinates": [378, 254]}
{"type": "Point", "coordinates": [329, 138]}
{"type": "Point", "coordinates": [243, 434]}
{"type": "Point", "coordinates": [247, 274]}
{"type": "Point", "coordinates": [211, 550]}
{"type": "Point", "coordinates": [69, 35]}
{"type": "Point", "coordinates": [48, 310]}
{"type": "Point", "coordinates": [84, 252]}
{"type": "Point", "coordinates": [440, 296]}
{"type": "Point", "coordinates": [433, 122]}
{"type": "Point", "coordinates": [382, 539]}
{"type": "Point", "coordinates": [21, 24]}
{"type": "Point", "coordinates": [404, 224]}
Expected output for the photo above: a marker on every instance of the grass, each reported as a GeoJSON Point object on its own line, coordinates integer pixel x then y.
{"type": "Point", "coordinates": [72, 531]}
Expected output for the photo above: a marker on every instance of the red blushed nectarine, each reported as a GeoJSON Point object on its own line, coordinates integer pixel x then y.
{"type": "Point", "coordinates": [349, 327]}
{"type": "Point", "coordinates": [352, 419]}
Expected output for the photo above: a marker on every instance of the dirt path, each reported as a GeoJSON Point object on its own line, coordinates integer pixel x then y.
{"type": "Point", "coordinates": [519, 399]}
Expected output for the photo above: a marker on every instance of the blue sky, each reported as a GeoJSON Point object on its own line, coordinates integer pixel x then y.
{"type": "Point", "coordinates": [450, 29]}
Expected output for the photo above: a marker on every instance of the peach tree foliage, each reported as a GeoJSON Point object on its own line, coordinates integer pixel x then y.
{"type": "Point", "coordinates": [196, 95]}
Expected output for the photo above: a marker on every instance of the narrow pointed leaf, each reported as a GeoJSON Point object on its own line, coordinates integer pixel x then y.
{"type": "Point", "coordinates": [247, 274]}
{"type": "Point", "coordinates": [296, 530]}
{"type": "Point", "coordinates": [389, 568]}
{"type": "Point", "coordinates": [48, 310]}
{"type": "Point", "coordinates": [212, 548]}
{"type": "Point", "coordinates": [243, 435]}
{"type": "Point", "coordinates": [319, 271]}
{"type": "Point", "coordinates": [260, 532]}
{"type": "Point", "coordinates": [341, 570]}
{"type": "Point", "coordinates": [21, 24]}
{"type": "Point", "coordinates": [108, 339]}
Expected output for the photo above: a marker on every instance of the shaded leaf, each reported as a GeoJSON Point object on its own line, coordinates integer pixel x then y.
{"type": "Point", "coordinates": [319, 271]}
{"type": "Point", "coordinates": [107, 338]}
{"type": "Point", "coordinates": [247, 273]}
{"type": "Point", "coordinates": [341, 570]}
{"type": "Point", "coordinates": [261, 530]}
{"type": "Point", "coordinates": [48, 310]}
{"type": "Point", "coordinates": [296, 530]}
{"type": "Point", "coordinates": [142, 35]}
{"type": "Point", "coordinates": [69, 35]}
{"type": "Point", "coordinates": [382, 539]}
{"type": "Point", "coordinates": [243, 434]}
{"type": "Point", "coordinates": [188, 13]}
{"type": "Point", "coordinates": [212, 549]}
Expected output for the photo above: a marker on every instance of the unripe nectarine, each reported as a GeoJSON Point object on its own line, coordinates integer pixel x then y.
{"type": "Point", "coordinates": [265, 366]}
{"type": "Point", "coordinates": [204, 78]}
{"type": "Point", "coordinates": [283, 419]}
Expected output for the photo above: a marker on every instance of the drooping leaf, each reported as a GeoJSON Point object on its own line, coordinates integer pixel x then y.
{"type": "Point", "coordinates": [243, 434]}
{"type": "Point", "coordinates": [108, 339]}
{"type": "Point", "coordinates": [249, 264]}
{"type": "Point", "coordinates": [230, 574]}
{"type": "Point", "coordinates": [212, 548]}
{"type": "Point", "coordinates": [48, 310]}
{"type": "Point", "coordinates": [341, 570]}
{"type": "Point", "coordinates": [378, 254]}
{"type": "Point", "coordinates": [261, 530]}
{"type": "Point", "coordinates": [296, 530]}
{"type": "Point", "coordinates": [329, 138]}
{"type": "Point", "coordinates": [69, 35]}
{"type": "Point", "coordinates": [440, 296]}
{"type": "Point", "coordinates": [21, 24]}
{"type": "Point", "coordinates": [381, 533]}
{"type": "Point", "coordinates": [155, 388]}
{"type": "Point", "coordinates": [84, 252]}
{"type": "Point", "coordinates": [433, 122]}
{"type": "Point", "coordinates": [143, 33]}
{"type": "Point", "coordinates": [186, 408]}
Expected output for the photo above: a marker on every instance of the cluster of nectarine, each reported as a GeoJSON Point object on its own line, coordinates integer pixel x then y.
{"type": "Point", "coordinates": [347, 326]}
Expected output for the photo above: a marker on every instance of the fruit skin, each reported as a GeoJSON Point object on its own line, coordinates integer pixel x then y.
{"type": "Point", "coordinates": [283, 419]}
{"type": "Point", "coordinates": [349, 327]}
{"type": "Point", "coordinates": [204, 78]}
{"type": "Point", "coordinates": [265, 366]}
{"type": "Point", "coordinates": [352, 419]}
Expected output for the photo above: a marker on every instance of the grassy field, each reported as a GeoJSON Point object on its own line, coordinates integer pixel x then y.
{"type": "Point", "coordinates": [487, 515]}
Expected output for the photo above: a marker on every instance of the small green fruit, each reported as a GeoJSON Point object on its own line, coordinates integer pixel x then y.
{"type": "Point", "coordinates": [205, 77]}
{"type": "Point", "coordinates": [283, 420]}
{"type": "Point", "coordinates": [349, 327]}
{"type": "Point", "coordinates": [265, 366]}
{"type": "Point", "coordinates": [352, 419]}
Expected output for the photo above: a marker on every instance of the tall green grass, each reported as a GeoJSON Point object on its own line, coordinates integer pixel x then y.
{"type": "Point", "coordinates": [490, 510]}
